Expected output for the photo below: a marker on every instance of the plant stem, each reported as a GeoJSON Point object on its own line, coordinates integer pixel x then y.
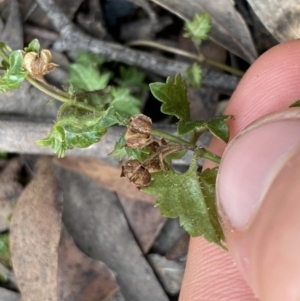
{"type": "Point", "coordinates": [170, 137]}
{"type": "Point", "coordinates": [224, 67]}
{"type": "Point", "coordinates": [199, 58]}
{"type": "Point", "coordinates": [206, 154]}
{"type": "Point", "coordinates": [63, 97]}
{"type": "Point", "coordinates": [3, 54]}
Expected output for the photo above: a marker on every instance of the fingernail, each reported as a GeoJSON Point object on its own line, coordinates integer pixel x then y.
{"type": "Point", "coordinates": [250, 163]}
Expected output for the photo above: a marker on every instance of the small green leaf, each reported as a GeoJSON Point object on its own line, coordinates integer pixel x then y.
{"type": "Point", "coordinates": [15, 74]}
{"type": "Point", "coordinates": [173, 95]}
{"type": "Point", "coordinates": [124, 102]}
{"type": "Point", "coordinates": [185, 127]}
{"type": "Point", "coordinates": [219, 127]}
{"type": "Point", "coordinates": [295, 104]}
{"type": "Point", "coordinates": [194, 75]}
{"type": "Point", "coordinates": [85, 74]}
{"type": "Point", "coordinates": [186, 197]}
{"type": "Point", "coordinates": [34, 46]}
{"type": "Point", "coordinates": [119, 149]}
{"type": "Point", "coordinates": [132, 77]}
{"type": "Point", "coordinates": [199, 28]}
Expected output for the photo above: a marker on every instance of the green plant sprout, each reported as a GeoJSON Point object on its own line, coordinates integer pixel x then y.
{"type": "Point", "coordinates": [90, 106]}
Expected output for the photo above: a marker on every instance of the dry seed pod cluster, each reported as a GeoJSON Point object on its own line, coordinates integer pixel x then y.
{"type": "Point", "coordinates": [38, 64]}
{"type": "Point", "coordinates": [138, 133]}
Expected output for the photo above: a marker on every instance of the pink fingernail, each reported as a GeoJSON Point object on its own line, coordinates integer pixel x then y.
{"type": "Point", "coordinates": [250, 163]}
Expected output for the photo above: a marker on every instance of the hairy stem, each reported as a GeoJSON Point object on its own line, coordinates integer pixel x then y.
{"type": "Point", "coordinates": [170, 137]}
{"type": "Point", "coordinates": [61, 96]}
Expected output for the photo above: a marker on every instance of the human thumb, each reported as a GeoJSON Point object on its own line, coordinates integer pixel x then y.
{"type": "Point", "coordinates": [258, 196]}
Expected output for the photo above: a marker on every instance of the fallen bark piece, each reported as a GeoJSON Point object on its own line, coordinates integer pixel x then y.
{"type": "Point", "coordinates": [144, 219]}
{"type": "Point", "coordinates": [81, 277]}
{"type": "Point", "coordinates": [105, 175]}
{"type": "Point", "coordinates": [169, 272]}
{"type": "Point", "coordinates": [7, 295]}
{"type": "Point", "coordinates": [35, 232]}
{"type": "Point", "coordinates": [94, 218]}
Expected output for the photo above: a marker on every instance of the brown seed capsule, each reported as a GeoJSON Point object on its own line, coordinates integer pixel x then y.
{"type": "Point", "coordinates": [141, 124]}
{"type": "Point", "coordinates": [136, 173]}
{"type": "Point", "coordinates": [139, 131]}
{"type": "Point", "coordinates": [38, 65]}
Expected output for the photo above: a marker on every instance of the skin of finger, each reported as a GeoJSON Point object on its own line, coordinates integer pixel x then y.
{"type": "Point", "coordinates": [273, 237]}
{"type": "Point", "coordinates": [270, 84]}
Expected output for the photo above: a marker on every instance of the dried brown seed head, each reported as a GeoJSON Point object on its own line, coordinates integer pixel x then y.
{"type": "Point", "coordinates": [136, 140]}
{"type": "Point", "coordinates": [136, 173]}
{"type": "Point", "coordinates": [141, 124]}
{"type": "Point", "coordinates": [37, 65]}
{"type": "Point", "coordinates": [139, 131]}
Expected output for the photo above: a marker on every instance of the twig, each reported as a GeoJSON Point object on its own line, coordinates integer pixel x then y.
{"type": "Point", "coordinates": [18, 136]}
{"type": "Point", "coordinates": [74, 39]}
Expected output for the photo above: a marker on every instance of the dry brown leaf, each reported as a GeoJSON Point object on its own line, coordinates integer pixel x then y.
{"type": "Point", "coordinates": [94, 218]}
{"type": "Point", "coordinates": [81, 277]}
{"type": "Point", "coordinates": [228, 27]}
{"type": "Point", "coordinates": [169, 272]}
{"type": "Point", "coordinates": [144, 219]}
{"type": "Point", "coordinates": [281, 18]}
{"type": "Point", "coordinates": [105, 175]}
{"type": "Point", "coordinates": [35, 233]}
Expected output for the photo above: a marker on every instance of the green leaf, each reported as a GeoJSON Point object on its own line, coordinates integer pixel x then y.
{"type": "Point", "coordinates": [199, 28]}
{"type": "Point", "coordinates": [194, 75]}
{"type": "Point", "coordinates": [34, 46]}
{"type": "Point", "coordinates": [79, 131]}
{"type": "Point", "coordinates": [295, 104]}
{"type": "Point", "coordinates": [219, 127]}
{"type": "Point", "coordinates": [190, 197]}
{"type": "Point", "coordinates": [15, 74]}
{"type": "Point", "coordinates": [124, 102]}
{"type": "Point", "coordinates": [132, 77]}
{"type": "Point", "coordinates": [185, 127]}
{"type": "Point", "coordinates": [173, 95]}
{"type": "Point", "coordinates": [85, 74]}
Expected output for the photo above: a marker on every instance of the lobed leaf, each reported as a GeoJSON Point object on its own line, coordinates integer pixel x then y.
{"type": "Point", "coordinates": [15, 73]}
{"type": "Point", "coordinates": [132, 77]}
{"type": "Point", "coordinates": [124, 102]}
{"type": "Point", "coordinates": [191, 197]}
{"type": "Point", "coordinates": [173, 95]}
{"type": "Point", "coordinates": [198, 28]}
